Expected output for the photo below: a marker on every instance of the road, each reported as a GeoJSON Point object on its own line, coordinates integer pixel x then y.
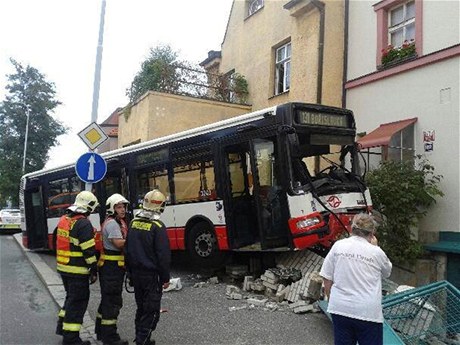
{"type": "Point", "coordinates": [27, 310]}
{"type": "Point", "coordinates": [203, 315]}
{"type": "Point", "coordinates": [195, 315]}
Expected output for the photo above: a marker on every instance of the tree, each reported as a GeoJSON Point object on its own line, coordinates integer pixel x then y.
{"type": "Point", "coordinates": [402, 193]}
{"type": "Point", "coordinates": [28, 94]}
{"type": "Point", "coordinates": [158, 73]}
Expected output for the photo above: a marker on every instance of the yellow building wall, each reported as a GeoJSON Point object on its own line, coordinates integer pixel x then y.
{"type": "Point", "coordinates": [159, 114]}
{"type": "Point", "coordinates": [250, 43]}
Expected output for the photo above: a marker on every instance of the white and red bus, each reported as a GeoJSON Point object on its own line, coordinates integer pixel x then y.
{"type": "Point", "coordinates": [282, 178]}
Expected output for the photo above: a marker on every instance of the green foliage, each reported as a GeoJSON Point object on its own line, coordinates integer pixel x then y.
{"type": "Point", "coordinates": [240, 87]}
{"type": "Point", "coordinates": [27, 93]}
{"type": "Point", "coordinates": [158, 73]}
{"type": "Point", "coordinates": [403, 193]}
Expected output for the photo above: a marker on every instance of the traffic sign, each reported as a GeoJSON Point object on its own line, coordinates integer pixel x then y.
{"type": "Point", "coordinates": [91, 167]}
{"type": "Point", "coordinates": [93, 136]}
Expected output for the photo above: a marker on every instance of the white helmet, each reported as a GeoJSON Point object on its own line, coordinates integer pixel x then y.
{"type": "Point", "coordinates": [154, 201]}
{"type": "Point", "coordinates": [85, 202]}
{"type": "Point", "coordinates": [113, 200]}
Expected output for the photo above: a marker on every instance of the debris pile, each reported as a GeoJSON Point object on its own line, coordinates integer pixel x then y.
{"type": "Point", "coordinates": [295, 281]}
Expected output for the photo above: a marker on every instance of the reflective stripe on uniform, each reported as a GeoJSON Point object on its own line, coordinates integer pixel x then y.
{"type": "Point", "coordinates": [68, 253]}
{"type": "Point", "coordinates": [91, 259]}
{"type": "Point", "coordinates": [108, 322]}
{"type": "Point", "coordinates": [61, 313]}
{"type": "Point", "coordinates": [113, 257]}
{"type": "Point", "coordinates": [141, 225]}
{"type": "Point", "coordinates": [72, 269]}
{"type": "Point", "coordinates": [157, 223]}
{"type": "Point", "coordinates": [88, 244]}
{"type": "Point", "coordinates": [72, 327]}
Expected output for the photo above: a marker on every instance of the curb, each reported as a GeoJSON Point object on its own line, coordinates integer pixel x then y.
{"type": "Point", "coordinates": [53, 283]}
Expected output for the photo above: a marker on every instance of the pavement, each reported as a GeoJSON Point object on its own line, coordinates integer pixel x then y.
{"type": "Point", "coordinates": [53, 282]}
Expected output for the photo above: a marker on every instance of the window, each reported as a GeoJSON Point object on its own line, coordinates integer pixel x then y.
{"type": "Point", "coordinates": [401, 146]}
{"type": "Point", "coordinates": [254, 6]}
{"type": "Point", "coordinates": [194, 181]}
{"type": "Point", "coordinates": [283, 69]}
{"type": "Point", "coordinates": [61, 196]}
{"type": "Point", "coordinates": [397, 21]}
{"type": "Point", "coordinates": [155, 178]}
{"type": "Point", "coordinates": [401, 24]}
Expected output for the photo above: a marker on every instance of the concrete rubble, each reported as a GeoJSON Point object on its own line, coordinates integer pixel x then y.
{"type": "Point", "coordinates": [294, 283]}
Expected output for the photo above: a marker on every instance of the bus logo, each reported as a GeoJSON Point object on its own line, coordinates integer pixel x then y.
{"type": "Point", "coordinates": [334, 201]}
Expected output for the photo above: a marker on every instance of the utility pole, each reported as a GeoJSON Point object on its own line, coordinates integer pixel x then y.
{"type": "Point", "coordinates": [97, 73]}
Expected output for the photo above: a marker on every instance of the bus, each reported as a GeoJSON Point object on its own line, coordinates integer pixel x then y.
{"type": "Point", "coordinates": [278, 179]}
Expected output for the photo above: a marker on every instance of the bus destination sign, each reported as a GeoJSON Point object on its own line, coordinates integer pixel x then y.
{"type": "Point", "coordinates": [321, 119]}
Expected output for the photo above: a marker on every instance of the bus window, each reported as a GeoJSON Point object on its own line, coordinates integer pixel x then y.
{"type": "Point", "coordinates": [236, 174]}
{"type": "Point", "coordinates": [194, 181]}
{"type": "Point", "coordinates": [61, 196]}
{"type": "Point", "coordinates": [152, 179]}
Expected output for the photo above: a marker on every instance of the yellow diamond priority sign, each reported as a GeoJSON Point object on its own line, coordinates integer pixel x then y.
{"type": "Point", "coordinates": [93, 136]}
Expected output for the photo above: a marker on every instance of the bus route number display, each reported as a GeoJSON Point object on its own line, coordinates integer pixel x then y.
{"type": "Point", "coordinates": [321, 119]}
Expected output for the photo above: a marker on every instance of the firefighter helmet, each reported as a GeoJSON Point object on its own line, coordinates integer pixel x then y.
{"type": "Point", "coordinates": [85, 202]}
{"type": "Point", "coordinates": [113, 200]}
{"type": "Point", "coordinates": [154, 201]}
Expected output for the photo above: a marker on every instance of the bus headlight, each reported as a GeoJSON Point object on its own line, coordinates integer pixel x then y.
{"type": "Point", "coordinates": [306, 223]}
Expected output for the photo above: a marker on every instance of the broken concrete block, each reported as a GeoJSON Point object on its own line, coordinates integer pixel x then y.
{"type": "Point", "coordinates": [235, 295]}
{"type": "Point", "coordinates": [270, 274]}
{"type": "Point", "coordinates": [271, 286]}
{"type": "Point", "coordinates": [297, 304]}
{"type": "Point", "coordinates": [230, 289]}
{"type": "Point", "coordinates": [268, 279]}
{"type": "Point", "coordinates": [214, 280]}
{"type": "Point", "coordinates": [313, 290]}
{"type": "Point", "coordinates": [303, 309]}
{"type": "Point", "coordinates": [257, 286]}
{"type": "Point", "coordinates": [257, 302]}
{"type": "Point", "coordinates": [248, 280]}
{"type": "Point", "coordinates": [199, 285]}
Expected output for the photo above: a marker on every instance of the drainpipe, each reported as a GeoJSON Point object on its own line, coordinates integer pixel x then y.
{"type": "Point", "coordinates": [319, 84]}
{"type": "Point", "coordinates": [345, 53]}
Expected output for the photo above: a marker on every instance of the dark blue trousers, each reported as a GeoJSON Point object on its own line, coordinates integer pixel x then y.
{"type": "Point", "coordinates": [349, 331]}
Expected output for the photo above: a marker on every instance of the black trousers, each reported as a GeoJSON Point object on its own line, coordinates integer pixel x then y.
{"type": "Point", "coordinates": [147, 292]}
{"type": "Point", "coordinates": [76, 301]}
{"type": "Point", "coordinates": [111, 278]}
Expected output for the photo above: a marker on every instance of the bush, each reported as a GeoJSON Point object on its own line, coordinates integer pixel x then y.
{"type": "Point", "coordinates": [403, 193]}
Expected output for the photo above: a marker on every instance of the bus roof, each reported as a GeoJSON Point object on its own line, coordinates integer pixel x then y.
{"type": "Point", "coordinates": [237, 120]}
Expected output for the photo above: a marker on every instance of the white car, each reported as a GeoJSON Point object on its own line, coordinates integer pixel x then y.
{"type": "Point", "coordinates": [10, 219]}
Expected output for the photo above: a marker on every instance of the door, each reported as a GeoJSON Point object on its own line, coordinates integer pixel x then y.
{"type": "Point", "coordinates": [254, 202]}
{"type": "Point", "coordinates": [36, 226]}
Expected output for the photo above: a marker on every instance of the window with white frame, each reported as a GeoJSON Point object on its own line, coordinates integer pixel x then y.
{"type": "Point", "coordinates": [401, 147]}
{"type": "Point", "coordinates": [283, 69]}
{"type": "Point", "coordinates": [254, 6]}
{"type": "Point", "coordinates": [401, 24]}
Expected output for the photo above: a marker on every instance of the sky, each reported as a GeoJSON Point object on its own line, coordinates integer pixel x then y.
{"type": "Point", "coordinates": [60, 37]}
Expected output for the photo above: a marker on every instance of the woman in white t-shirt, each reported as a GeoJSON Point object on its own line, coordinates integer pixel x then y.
{"type": "Point", "coordinates": [352, 273]}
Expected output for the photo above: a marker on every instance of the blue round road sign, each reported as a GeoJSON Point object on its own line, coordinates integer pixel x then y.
{"type": "Point", "coordinates": [91, 167]}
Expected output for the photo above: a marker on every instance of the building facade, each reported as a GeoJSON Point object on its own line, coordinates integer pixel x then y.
{"type": "Point", "coordinates": [403, 75]}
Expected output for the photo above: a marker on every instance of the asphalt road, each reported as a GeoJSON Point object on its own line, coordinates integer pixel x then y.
{"type": "Point", "coordinates": [27, 310]}
{"type": "Point", "coordinates": [203, 315]}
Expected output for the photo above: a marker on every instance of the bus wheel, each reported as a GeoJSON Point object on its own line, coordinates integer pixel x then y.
{"type": "Point", "coordinates": [202, 246]}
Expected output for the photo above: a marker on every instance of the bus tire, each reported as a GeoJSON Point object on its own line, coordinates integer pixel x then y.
{"type": "Point", "coordinates": [202, 246]}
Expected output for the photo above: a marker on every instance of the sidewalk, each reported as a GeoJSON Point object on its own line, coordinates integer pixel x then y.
{"type": "Point", "coordinates": [53, 283]}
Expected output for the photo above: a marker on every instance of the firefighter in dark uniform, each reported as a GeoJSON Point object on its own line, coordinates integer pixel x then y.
{"type": "Point", "coordinates": [112, 270]}
{"type": "Point", "coordinates": [77, 265]}
{"type": "Point", "coordinates": [148, 259]}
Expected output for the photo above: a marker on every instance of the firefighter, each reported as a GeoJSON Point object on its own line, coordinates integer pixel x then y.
{"type": "Point", "coordinates": [112, 270]}
{"type": "Point", "coordinates": [148, 259]}
{"type": "Point", "coordinates": [77, 265]}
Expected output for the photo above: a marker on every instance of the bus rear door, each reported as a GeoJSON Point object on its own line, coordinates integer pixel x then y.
{"type": "Point", "coordinates": [36, 231]}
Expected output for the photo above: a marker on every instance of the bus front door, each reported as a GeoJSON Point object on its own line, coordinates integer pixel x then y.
{"type": "Point", "coordinates": [36, 227]}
